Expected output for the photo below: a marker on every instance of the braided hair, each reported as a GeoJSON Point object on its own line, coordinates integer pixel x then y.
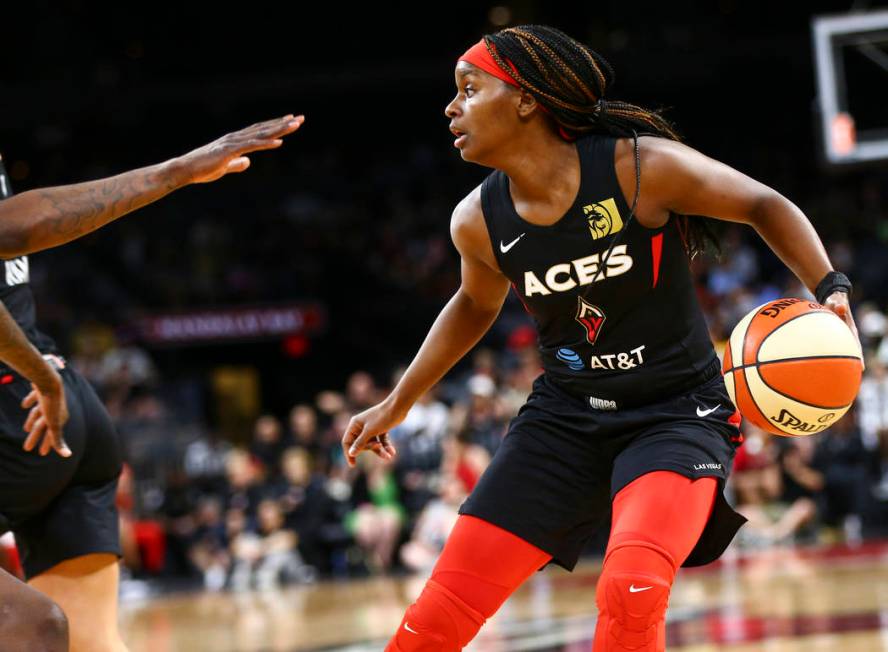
{"type": "Point", "coordinates": [570, 81]}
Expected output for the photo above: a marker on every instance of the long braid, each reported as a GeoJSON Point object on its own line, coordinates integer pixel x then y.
{"type": "Point", "coordinates": [571, 80]}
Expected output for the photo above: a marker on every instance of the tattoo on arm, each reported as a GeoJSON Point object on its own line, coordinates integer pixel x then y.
{"type": "Point", "coordinates": [48, 217]}
{"type": "Point", "coordinates": [66, 213]}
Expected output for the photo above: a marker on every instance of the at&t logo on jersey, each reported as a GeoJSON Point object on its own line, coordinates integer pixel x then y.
{"type": "Point", "coordinates": [590, 318]}
{"type": "Point", "coordinates": [609, 361]}
{"type": "Point", "coordinates": [621, 361]}
{"type": "Point", "coordinates": [564, 277]}
{"type": "Point", "coordinates": [571, 359]}
{"type": "Point", "coordinates": [604, 218]}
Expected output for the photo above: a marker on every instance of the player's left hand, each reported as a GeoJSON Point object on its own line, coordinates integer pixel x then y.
{"type": "Point", "coordinates": [46, 420]}
{"type": "Point", "coordinates": [369, 431]}
{"type": "Point", "coordinates": [228, 154]}
{"type": "Point", "coordinates": [838, 303]}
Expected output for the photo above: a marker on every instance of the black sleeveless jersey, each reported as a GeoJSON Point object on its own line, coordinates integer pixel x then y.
{"type": "Point", "coordinates": [15, 290]}
{"type": "Point", "coordinates": [623, 335]}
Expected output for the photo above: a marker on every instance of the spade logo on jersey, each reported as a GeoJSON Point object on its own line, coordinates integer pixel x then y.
{"type": "Point", "coordinates": [604, 218]}
{"type": "Point", "coordinates": [591, 318]}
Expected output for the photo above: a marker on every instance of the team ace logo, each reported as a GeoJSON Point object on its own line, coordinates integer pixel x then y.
{"type": "Point", "coordinates": [564, 277]}
{"type": "Point", "coordinates": [604, 218]}
{"type": "Point", "coordinates": [791, 421]}
{"type": "Point", "coordinates": [591, 318]}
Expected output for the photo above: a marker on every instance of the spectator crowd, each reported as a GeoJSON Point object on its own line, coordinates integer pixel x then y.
{"type": "Point", "coordinates": [284, 507]}
{"type": "Point", "coordinates": [274, 502]}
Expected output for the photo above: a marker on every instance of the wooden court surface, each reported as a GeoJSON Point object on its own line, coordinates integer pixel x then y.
{"type": "Point", "coordinates": [775, 601]}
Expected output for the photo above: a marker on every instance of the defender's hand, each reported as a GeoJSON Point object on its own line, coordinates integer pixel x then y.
{"type": "Point", "coordinates": [369, 431]}
{"type": "Point", "coordinates": [226, 154]}
{"type": "Point", "coordinates": [46, 421]}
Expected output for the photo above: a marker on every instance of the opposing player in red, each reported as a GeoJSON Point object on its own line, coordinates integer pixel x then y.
{"type": "Point", "coordinates": [586, 217]}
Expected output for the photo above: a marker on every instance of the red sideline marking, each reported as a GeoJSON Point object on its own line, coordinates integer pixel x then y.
{"type": "Point", "coordinates": [869, 550]}
{"type": "Point", "coordinates": [656, 250]}
{"type": "Point", "coordinates": [718, 628]}
{"type": "Point", "coordinates": [729, 626]}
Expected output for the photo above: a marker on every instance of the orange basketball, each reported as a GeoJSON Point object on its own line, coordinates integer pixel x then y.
{"type": "Point", "coordinates": [792, 367]}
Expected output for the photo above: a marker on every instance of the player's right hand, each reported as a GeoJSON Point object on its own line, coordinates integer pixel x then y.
{"type": "Point", "coordinates": [369, 431]}
{"type": "Point", "coordinates": [838, 303]}
{"type": "Point", "coordinates": [228, 154]}
{"type": "Point", "coordinates": [46, 420]}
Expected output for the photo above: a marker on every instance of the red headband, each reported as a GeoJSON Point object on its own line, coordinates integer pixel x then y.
{"type": "Point", "coordinates": [477, 55]}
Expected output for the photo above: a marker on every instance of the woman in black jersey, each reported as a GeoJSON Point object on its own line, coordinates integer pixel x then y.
{"type": "Point", "coordinates": [61, 506]}
{"type": "Point", "coordinates": [585, 215]}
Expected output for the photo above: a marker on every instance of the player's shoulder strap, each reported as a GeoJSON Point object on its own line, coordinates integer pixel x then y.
{"type": "Point", "coordinates": [598, 167]}
{"type": "Point", "coordinates": [495, 202]}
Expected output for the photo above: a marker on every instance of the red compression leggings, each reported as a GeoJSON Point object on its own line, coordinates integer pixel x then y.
{"type": "Point", "coordinates": [657, 520]}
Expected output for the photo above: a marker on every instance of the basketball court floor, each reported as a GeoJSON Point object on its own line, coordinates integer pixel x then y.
{"type": "Point", "coordinates": [780, 600]}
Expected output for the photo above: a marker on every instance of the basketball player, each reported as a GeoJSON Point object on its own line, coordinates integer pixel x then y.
{"type": "Point", "coordinates": [61, 507]}
{"type": "Point", "coordinates": [585, 217]}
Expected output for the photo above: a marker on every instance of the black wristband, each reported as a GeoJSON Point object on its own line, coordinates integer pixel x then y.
{"type": "Point", "coordinates": [832, 282]}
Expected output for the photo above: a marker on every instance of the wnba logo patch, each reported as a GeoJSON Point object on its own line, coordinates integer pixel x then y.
{"type": "Point", "coordinates": [602, 403]}
{"type": "Point", "coordinates": [604, 218]}
{"type": "Point", "coordinates": [591, 318]}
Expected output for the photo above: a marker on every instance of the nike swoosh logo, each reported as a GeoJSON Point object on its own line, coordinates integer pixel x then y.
{"type": "Point", "coordinates": [505, 247]}
{"type": "Point", "coordinates": [702, 413]}
{"type": "Point", "coordinates": [632, 588]}
{"type": "Point", "coordinates": [407, 627]}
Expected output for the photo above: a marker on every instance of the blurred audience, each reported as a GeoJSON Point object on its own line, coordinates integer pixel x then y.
{"type": "Point", "coordinates": [817, 488]}
{"type": "Point", "coordinates": [276, 503]}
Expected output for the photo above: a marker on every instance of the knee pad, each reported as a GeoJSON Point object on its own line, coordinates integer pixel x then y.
{"type": "Point", "coordinates": [632, 596]}
{"type": "Point", "coordinates": [438, 621]}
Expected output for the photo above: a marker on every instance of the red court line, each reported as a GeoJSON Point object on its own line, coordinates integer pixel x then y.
{"type": "Point", "coordinates": [715, 627]}
{"type": "Point", "coordinates": [868, 550]}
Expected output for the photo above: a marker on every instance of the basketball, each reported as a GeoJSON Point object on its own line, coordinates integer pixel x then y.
{"type": "Point", "coordinates": [792, 367]}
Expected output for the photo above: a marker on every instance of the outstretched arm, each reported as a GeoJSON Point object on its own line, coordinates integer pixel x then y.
{"type": "Point", "coordinates": [48, 217]}
{"type": "Point", "coordinates": [682, 180]}
{"type": "Point", "coordinates": [49, 412]}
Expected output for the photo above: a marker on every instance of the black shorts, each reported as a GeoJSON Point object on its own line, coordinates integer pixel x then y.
{"type": "Point", "coordinates": [59, 508]}
{"type": "Point", "coordinates": [552, 480]}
